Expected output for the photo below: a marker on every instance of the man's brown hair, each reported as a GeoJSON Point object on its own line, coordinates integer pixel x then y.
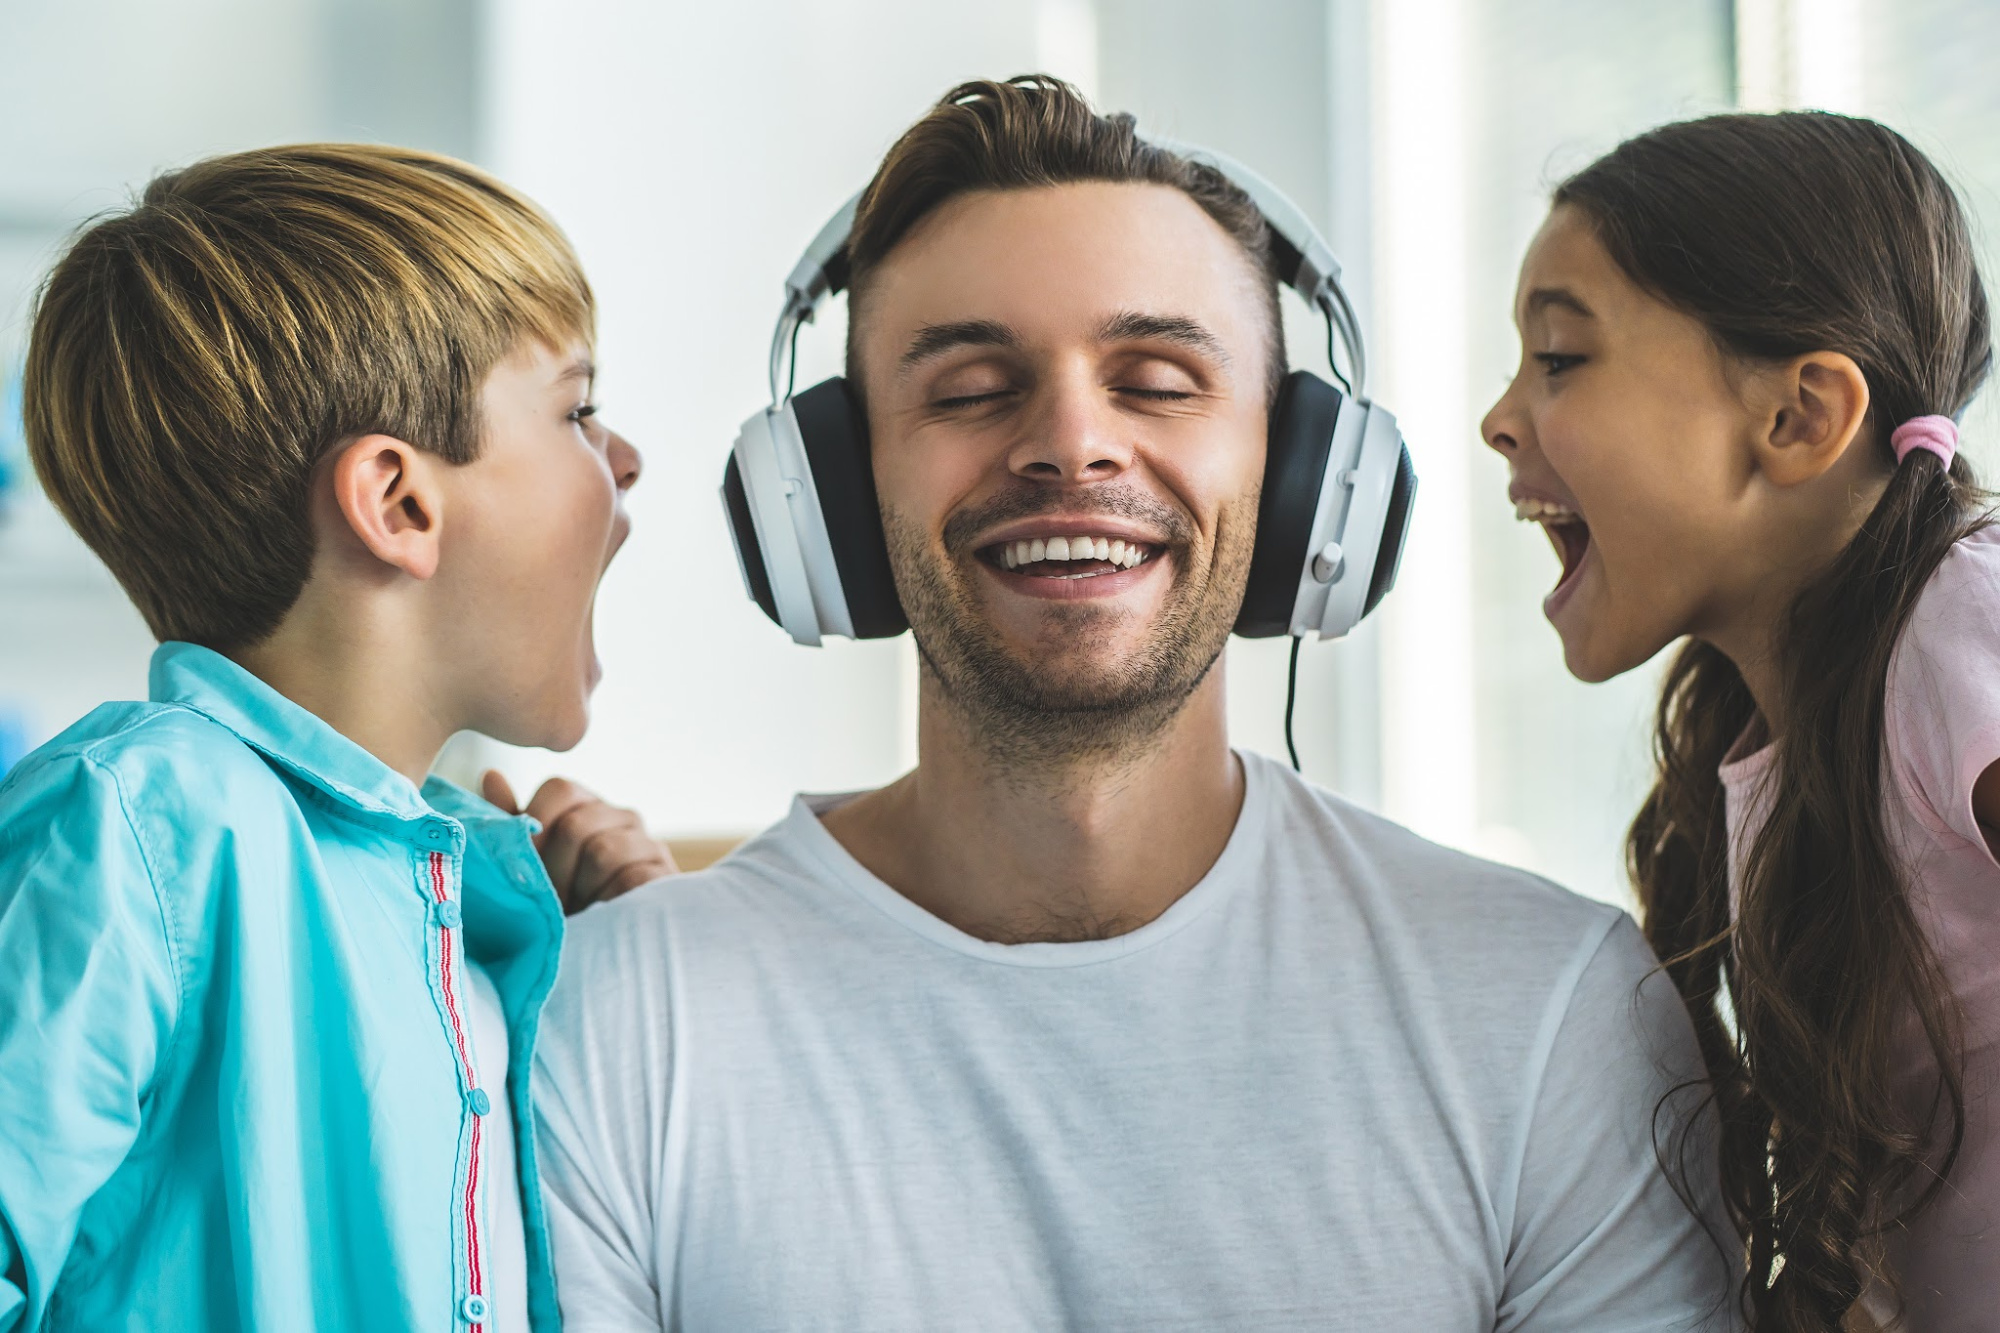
{"type": "Point", "coordinates": [195, 357]}
{"type": "Point", "coordinates": [1027, 132]}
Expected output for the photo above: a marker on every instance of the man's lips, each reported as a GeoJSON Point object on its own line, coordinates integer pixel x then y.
{"type": "Point", "coordinates": [1071, 557]}
{"type": "Point", "coordinates": [1068, 581]}
{"type": "Point", "coordinates": [1071, 525]}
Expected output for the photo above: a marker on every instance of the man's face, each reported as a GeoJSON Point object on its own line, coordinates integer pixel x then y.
{"type": "Point", "coordinates": [1067, 398]}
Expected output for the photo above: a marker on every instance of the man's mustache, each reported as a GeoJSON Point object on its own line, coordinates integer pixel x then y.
{"type": "Point", "coordinates": [963, 528]}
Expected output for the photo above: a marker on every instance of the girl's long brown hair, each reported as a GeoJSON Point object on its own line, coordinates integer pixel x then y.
{"type": "Point", "coordinates": [1787, 234]}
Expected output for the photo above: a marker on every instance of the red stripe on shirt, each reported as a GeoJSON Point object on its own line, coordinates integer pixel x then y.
{"type": "Point", "coordinates": [446, 975]}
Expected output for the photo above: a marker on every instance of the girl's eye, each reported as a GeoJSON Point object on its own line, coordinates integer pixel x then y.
{"type": "Point", "coordinates": [1555, 363]}
{"type": "Point", "coordinates": [581, 414]}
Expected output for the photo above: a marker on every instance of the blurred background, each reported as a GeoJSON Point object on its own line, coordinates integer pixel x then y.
{"type": "Point", "coordinates": [691, 149]}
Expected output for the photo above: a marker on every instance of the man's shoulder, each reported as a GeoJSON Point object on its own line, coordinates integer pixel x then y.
{"type": "Point", "coordinates": [772, 884]}
{"type": "Point", "coordinates": [1465, 909]}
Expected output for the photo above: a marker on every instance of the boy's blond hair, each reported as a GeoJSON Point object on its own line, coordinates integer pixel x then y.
{"type": "Point", "coordinates": [194, 358]}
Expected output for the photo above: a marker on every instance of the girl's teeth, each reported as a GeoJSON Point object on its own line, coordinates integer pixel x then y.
{"type": "Point", "coordinates": [1532, 510]}
{"type": "Point", "coordinates": [1112, 550]}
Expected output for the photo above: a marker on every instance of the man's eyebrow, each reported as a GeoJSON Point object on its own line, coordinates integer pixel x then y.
{"type": "Point", "coordinates": [1542, 298]}
{"type": "Point", "coordinates": [1132, 326]}
{"type": "Point", "coordinates": [936, 339]}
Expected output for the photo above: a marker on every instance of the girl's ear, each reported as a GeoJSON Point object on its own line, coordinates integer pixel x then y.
{"type": "Point", "coordinates": [1815, 411]}
{"type": "Point", "coordinates": [387, 493]}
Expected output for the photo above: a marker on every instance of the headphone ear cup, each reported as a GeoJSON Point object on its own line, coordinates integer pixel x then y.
{"type": "Point", "coordinates": [1298, 444]}
{"type": "Point", "coordinates": [1395, 527]}
{"type": "Point", "coordinates": [834, 430]}
{"type": "Point", "coordinates": [749, 552]}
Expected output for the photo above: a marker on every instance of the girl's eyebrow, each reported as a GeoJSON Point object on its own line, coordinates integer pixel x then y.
{"type": "Point", "coordinates": [1541, 298]}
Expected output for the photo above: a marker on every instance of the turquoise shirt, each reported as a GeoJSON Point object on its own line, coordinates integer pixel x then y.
{"type": "Point", "coordinates": [238, 1088]}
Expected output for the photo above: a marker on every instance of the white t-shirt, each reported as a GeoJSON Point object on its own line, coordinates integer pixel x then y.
{"type": "Point", "coordinates": [1349, 1080]}
{"type": "Point", "coordinates": [506, 1239]}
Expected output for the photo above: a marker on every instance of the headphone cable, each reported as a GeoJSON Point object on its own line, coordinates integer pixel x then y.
{"type": "Point", "coordinates": [1292, 697]}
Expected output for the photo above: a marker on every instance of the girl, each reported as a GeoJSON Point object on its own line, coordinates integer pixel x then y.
{"type": "Point", "coordinates": [1745, 341]}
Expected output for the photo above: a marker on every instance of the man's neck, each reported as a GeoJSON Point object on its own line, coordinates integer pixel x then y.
{"type": "Point", "coordinates": [1087, 850]}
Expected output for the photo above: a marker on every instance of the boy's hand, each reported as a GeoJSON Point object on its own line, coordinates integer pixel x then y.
{"type": "Point", "coordinates": [594, 850]}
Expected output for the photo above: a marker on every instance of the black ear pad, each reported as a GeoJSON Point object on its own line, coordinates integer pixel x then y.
{"type": "Point", "coordinates": [836, 439]}
{"type": "Point", "coordinates": [745, 531]}
{"type": "Point", "coordinates": [1295, 459]}
{"type": "Point", "coordinates": [1395, 526]}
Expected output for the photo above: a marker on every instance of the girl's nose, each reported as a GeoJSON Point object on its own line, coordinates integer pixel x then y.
{"type": "Point", "coordinates": [1501, 427]}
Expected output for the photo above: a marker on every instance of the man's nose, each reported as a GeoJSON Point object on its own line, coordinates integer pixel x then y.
{"type": "Point", "coordinates": [1075, 434]}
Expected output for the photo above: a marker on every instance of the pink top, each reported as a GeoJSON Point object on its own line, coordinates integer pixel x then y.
{"type": "Point", "coordinates": [1943, 731]}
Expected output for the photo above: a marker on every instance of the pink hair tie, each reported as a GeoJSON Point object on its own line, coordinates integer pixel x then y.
{"type": "Point", "coordinates": [1937, 434]}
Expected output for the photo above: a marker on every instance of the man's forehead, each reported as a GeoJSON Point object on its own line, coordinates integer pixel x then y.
{"type": "Point", "coordinates": [1079, 254]}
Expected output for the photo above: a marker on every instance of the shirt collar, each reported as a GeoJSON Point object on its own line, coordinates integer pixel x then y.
{"type": "Point", "coordinates": [209, 683]}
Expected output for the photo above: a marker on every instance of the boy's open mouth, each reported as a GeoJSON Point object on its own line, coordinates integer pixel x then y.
{"type": "Point", "coordinates": [1082, 557]}
{"type": "Point", "coordinates": [1566, 530]}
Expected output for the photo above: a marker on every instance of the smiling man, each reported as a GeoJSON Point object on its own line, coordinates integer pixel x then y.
{"type": "Point", "coordinates": [1090, 1020]}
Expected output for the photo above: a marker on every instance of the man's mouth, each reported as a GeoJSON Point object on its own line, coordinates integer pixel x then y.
{"type": "Point", "coordinates": [1566, 530]}
{"type": "Point", "coordinates": [1081, 557]}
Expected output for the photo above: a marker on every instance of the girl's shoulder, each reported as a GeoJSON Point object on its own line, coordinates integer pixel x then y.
{"type": "Point", "coordinates": [1942, 705]}
{"type": "Point", "coordinates": [1960, 603]}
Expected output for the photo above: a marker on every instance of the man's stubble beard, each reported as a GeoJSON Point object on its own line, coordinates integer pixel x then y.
{"type": "Point", "coordinates": [1062, 708]}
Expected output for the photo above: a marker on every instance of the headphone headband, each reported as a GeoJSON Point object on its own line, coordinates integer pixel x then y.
{"type": "Point", "coordinates": [800, 497]}
{"type": "Point", "coordinates": [1299, 258]}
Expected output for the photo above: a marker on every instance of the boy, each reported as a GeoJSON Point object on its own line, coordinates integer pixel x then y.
{"type": "Point", "coordinates": [268, 997]}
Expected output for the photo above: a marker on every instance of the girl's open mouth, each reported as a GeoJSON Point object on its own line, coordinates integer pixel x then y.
{"type": "Point", "coordinates": [1567, 533]}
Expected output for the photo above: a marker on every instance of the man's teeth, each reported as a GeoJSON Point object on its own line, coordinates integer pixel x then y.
{"type": "Point", "coordinates": [1532, 510]}
{"type": "Point", "coordinates": [1113, 549]}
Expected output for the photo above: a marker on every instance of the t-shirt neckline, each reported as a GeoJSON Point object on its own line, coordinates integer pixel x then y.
{"type": "Point", "coordinates": [1230, 868]}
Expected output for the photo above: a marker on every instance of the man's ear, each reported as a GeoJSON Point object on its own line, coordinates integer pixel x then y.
{"type": "Point", "coordinates": [388, 494]}
{"type": "Point", "coordinates": [1815, 412]}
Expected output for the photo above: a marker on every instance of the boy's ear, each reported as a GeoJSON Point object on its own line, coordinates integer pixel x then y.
{"type": "Point", "coordinates": [388, 493]}
{"type": "Point", "coordinates": [1817, 406]}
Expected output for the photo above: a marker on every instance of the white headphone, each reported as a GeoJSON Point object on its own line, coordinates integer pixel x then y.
{"type": "Point", "coordinates": [799, 489]}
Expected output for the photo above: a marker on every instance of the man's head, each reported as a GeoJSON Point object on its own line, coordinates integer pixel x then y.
{"type": "Point", "coordinates": [292, 380]}
{"type": "Point", "coordinates": [1067, 343]}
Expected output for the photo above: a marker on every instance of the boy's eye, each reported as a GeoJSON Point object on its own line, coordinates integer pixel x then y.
{"type": "Point", "coordinates": [581, 414]}
{"type": "Point", "coordinates": [1557, 362]}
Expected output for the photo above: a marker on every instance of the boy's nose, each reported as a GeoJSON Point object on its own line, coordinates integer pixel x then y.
{"type": "Point", "coordinates": [626, 464]}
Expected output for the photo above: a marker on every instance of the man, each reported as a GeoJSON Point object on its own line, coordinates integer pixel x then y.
{"type": "Point", "coordinates": [1090, 1021]}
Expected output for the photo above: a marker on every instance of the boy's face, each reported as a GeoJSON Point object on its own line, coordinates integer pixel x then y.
{"type": "Point", "coordinates": [530, 527]}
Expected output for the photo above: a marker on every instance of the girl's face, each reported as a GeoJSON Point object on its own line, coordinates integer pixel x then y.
{"type": "Point", "coordinates": [1630, 442]}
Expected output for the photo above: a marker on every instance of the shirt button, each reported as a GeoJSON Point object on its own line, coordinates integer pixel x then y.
{"type": "Point", "coordinates": [437, 834]}
{"type": "Point", "coordinates": [446, 914]}
{"type": "Point", "coordinates": [473, 1308]}
{"type": "Point", "coordinates": [479, 1101]}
